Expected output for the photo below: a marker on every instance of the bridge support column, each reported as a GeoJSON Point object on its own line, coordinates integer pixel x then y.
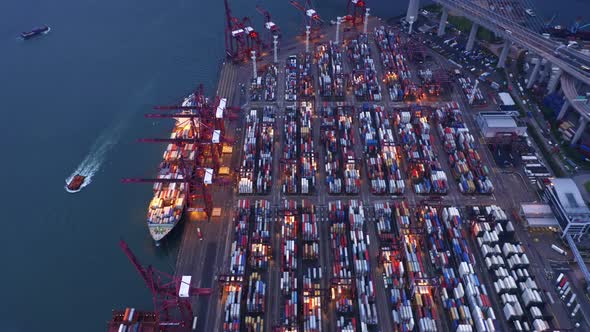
{"type": "Point", "coordinates": [534, 74]}
{"type": "Point", "coordinates": [563, 111]}
{"type": "Point", "coordinates": [413, 6]}
{"type": "Point", "coordinates": [443, 22]}
{"type": "Point", "coordinates": [553, 79]}
{"type": "Point", "coordinates": [580, 130]}
{"type": "Point", "coordinates": [504, 53]}
{"type": "Point", "coordinates": [472, 35]}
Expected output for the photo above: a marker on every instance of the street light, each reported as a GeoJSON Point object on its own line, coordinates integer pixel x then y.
{"type": "Point", "coordinates": [411, 23]}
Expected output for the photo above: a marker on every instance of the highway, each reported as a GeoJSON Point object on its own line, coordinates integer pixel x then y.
{"type": "Point", "coordinates": [566, 58]}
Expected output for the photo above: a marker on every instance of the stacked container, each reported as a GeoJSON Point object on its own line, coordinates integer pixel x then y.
{"type": "Point", "coordinates": [291, 78]}
{"type": "Point", "coordinates": [332, 79]}
{"type": "Point", "coordinates": [247, 168]}
{"type": "Point", "coordinates": [306, 90]}
{"type": "Point", "coordinates": [307, 161]}
{"type": "Point", "coordinates": [472, 176]}
{"type": "Point", "coordinates": [342, 290]}
{"type": "Point", "coordinates": [290, 152]}
{"type": "Point", "coordinates": [424, 169]}
{"type": "Point", "coordinates": [364, 77]}
{"type": "Point", "coordinates": [393, 61]}
{"type": "Point", "coordinates": [237, 269]}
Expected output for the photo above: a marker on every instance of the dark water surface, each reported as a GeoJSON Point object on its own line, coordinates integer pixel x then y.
{"type": "Point", "coordinates": [79, 94]}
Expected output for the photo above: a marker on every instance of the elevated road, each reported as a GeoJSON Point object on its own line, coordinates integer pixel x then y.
{"type": "Point", "coordinates": [568, 85]}
{"type": "Point", "coordinates": [569, 60]}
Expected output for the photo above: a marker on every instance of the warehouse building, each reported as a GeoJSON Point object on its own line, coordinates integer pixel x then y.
{"type": "Point", "coordinates": [539, 217]}
{"type": "Point", "coordinates": [494, 124]}
{"type": "Point", "coordinates": [567, 204]}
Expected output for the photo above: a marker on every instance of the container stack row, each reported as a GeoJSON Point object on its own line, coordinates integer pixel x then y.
{"type": "Point", "coordinates": [331, 77]}
{"type": "Point", "coordinates": [233, 288]}
{"type": "Point", "coordinates": [291, 70]}
{"type": "Point", "coordinates": [337, 139]}
{"type": "Point", "coordinates": [306, 90]}
{"type": "Point", "coordinates": [246, 182]}
{"type": "Point", "coordinates": [342, 289]}
{"type": "Point", "coordinates": [256, 168]}
{"type": "Point", "coordinates": [474, 293]}
{"type": "Point", "coordinates": [520, 296]}
{"type": "Point", "coordinates": [420, 286]}
{"type": "Point", "coordinates": [290, 152]}
{"type": "Point", "coordinates": [364, 76]}
{"type": "Point", "coordinates": [264, 88]}
{"type": "Point", "coordinates": [365, 286]}
{"type": "Point", "coordinates": [307, 160]}
{"type": "Point", "coordinates": [390, 152]}
{"type": "Point", "coordinates": [289, 265]}
{"type": "Point", "coordinates": [372, 150]}
{"type": "Point", "coordinates": [260, 241]}
{"type": "Point", "coordinates": [393, 61]}
{"type": "Point", "coordinates": [392, 262]}
{"type": "Point", "coordinates": [471, 175]}
{"type": "Point", "coordinates": [423, 167]}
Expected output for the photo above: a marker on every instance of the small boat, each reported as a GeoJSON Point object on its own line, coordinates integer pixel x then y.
{"type": "Point", "coordinates": [76, 182]}
{"type": "Point", "coordinates": [530, 12]}
{"type": "Point", "coordinates": [35, 32]}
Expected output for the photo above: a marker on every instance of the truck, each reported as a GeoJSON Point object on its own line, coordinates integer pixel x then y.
{"type": "Point", "coordinates": [559, 250]}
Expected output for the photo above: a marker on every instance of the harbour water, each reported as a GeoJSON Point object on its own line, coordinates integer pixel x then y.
{"type": "Point", "coordinates": [76, 97]}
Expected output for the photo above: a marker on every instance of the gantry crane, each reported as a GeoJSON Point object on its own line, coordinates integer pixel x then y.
{"type": "Point", "coordinates": [171, 297]}
{"type": "Point", "coordinates": [311, 17]}
{"type": "Point", "coordinates": [253, 42]}
{"type": "Point", "coordinates": [236, 47]}
{"type": "Point", "coordinates": [355, 11]}
{"type": "Point", "coordinates": [271, 27]}
{"type": "Point", "coordinates": [203, 130]}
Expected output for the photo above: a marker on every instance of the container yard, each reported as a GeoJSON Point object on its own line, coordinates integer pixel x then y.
{"type": "Point", "coordinates": [423, 167]}
{"type": "Point", "coordinates": [319, 232]}
{"type": "Point", "coordinates": [472, 176]}
{"type": "Point", "coordinates": [331, 75]}
{"type": "Point", "coordinates": [394, 64]}
{"type": "Point", "coordinates": [365, 84]}
{"type": "Point", "coordinates": [256, 168]}
{"type": "Point", "coordinates": [264, 87]}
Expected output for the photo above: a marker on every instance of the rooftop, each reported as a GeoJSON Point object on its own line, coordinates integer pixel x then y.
{"type": "Point", "coordinates": [498, 119]}
{"type": "Point", "coordinates": [506, 99]}
{"type": "Point", "coordinates": [569, 196]}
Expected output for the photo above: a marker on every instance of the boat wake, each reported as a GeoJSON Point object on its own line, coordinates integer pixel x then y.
{"type": "Point", "coordinates": [105, 142]}
{"type": "Point", "coordinates": [91, 164]}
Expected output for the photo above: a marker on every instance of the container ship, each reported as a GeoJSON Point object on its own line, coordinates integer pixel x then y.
{"type": "Point", "coordinates": [167, 206]}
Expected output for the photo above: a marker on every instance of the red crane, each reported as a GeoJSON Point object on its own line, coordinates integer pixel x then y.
{"type": "Point", "coordinates": [253, 41]}
{"type": "Point", "coordinates": [355, 11]}
{"type": "Point", "coordinates": [310, 15]}
{"type": "Point", "coordinates": [198, 166]}
{"type": "Point", "coordinates": [235, 37]}
{"type": "Point", "coordinates": [271, 27]}
{"type": "Point", "coordinates": [171, 295]}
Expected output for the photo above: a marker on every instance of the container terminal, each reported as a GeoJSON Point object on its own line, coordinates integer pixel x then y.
{"type": "Point", "coordinates": [340, 182]}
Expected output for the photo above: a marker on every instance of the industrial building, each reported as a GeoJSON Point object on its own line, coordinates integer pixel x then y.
{"type": "Point", "coordinates": [571, 211]}
{"type": "Point", "coordinates": [539, 217]}
{"type": "Point", "coordinates": [494, 124]}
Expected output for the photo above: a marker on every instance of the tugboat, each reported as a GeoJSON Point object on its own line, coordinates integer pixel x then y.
{"type": "Point", "coordinates": [35, 32]}
{"type": "Point", "coordinates": [76, 182]}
